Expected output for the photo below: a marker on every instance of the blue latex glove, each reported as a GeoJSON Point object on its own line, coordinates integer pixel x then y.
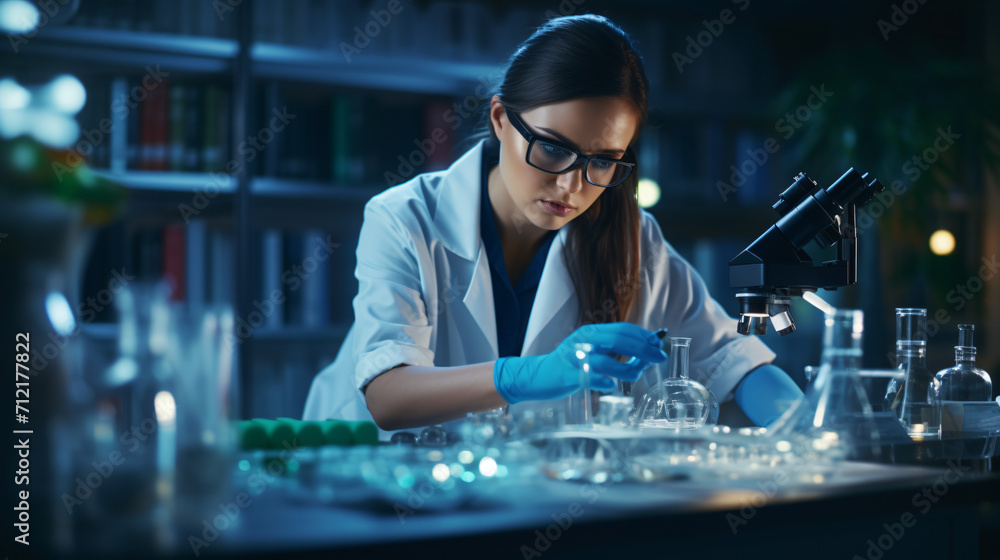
{"type": "Point", "coordinates": [557, 374]}
{"type": "Point", "coordinates": [766, 393]}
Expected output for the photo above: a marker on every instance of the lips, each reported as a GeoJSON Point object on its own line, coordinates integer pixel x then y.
{"type": "Point", "coordinates": [557, 208]}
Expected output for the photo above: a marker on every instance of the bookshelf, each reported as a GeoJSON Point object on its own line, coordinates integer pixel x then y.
{"type": "Point", "coordinates": [261, 209]}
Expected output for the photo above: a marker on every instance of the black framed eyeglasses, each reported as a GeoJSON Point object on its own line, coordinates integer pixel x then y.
{"type": "Point", "coordinates": [555, 157]}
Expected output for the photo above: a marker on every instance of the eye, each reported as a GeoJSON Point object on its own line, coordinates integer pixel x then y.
{"type": "Point", "coordinates": [554, 151]}
{"type": "Point", "coordinates": [602, 164]}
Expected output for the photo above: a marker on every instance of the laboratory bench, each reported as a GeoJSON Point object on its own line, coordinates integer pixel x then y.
{"type": "Point", "coordinates": [915, 500]}
{"type": "Point", "coordinates": [896, 511]}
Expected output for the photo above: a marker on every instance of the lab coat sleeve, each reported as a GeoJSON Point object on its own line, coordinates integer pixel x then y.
{"type": "Point", "coordinates": [390, 316]}
{"type": "Point", "coordinates": [677, 298]}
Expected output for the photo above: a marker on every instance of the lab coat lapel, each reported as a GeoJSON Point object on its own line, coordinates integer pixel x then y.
{"type": "Point", "coordinates": [479, 299]}
{"type": "Point", "coordinates": [554, 313]}
{"type": "Point", "coordinates": [457, 220]}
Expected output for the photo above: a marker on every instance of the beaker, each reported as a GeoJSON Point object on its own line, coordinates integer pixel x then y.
{"type": "Point", "coordinates": [580, 405]}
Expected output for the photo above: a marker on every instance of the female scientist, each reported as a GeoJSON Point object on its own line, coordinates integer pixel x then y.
{"type": "Point", "coordinates": [474, 282]}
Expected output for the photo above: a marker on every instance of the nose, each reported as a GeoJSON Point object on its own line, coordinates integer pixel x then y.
{"type": "Point", "coordinates": [571, 181]}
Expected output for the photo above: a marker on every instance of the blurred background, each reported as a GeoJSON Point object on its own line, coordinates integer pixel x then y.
{"type": "Point", "coordinates": [229, 146]}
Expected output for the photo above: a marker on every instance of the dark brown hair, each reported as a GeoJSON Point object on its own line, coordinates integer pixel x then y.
{"type": "Point", "coordinates": [570, 58]}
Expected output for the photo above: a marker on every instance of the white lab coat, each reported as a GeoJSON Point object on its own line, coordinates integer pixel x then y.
{"type": "Point", "coordinates": [425, 296]}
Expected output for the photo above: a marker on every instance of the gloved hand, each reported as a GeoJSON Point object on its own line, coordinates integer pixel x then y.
{"type": "Point", "coordinates": [766, 393]}
{"type": "Point", "coordinates": [557, 374]}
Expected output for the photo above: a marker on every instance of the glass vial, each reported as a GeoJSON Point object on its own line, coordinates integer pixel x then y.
{"type": "Point", "coordinates": [915, 402]}
{"type": "Point", "coordinates": [964, 381]}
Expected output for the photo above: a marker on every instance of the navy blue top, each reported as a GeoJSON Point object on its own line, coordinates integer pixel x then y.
{"type": "Point", "coordinates": [512, 303]}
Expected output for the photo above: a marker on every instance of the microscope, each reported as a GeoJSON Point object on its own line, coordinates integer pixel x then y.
{"type": "Point", "coordinates": [776, 267]}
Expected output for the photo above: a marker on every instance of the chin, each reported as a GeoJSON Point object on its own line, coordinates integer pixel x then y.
{"type": "Point", "coordinates": [552, 223]}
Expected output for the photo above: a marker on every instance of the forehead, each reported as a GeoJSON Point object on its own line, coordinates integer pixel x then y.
{"type": "Point", "coordinates": [593, 123]}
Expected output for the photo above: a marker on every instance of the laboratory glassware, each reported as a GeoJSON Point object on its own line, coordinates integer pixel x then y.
{"type": "Point", "coordinates": [915, 402]}
{"type": "Point", "coordinates": [678, 401]}
{"type": "Point", "coordinates": [964, 381]}
{"type": "Point", "coordinates": [835, 414]}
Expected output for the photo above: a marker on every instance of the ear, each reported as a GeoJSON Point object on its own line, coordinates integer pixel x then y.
{"type": "Point", "coordinates": [498, 116]}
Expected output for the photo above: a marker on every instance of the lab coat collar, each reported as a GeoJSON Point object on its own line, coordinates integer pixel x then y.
{"type": "Point", "coordinates": [457, 213]}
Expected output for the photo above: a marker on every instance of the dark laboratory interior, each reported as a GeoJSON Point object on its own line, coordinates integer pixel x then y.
{"type": "Point", "coordinates": [500, 278]}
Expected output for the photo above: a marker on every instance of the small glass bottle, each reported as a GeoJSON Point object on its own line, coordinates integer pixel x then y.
{"type": "Point", "coordinates": [964, 381]}
{"type": "Point", "coordinates": [915, 402]}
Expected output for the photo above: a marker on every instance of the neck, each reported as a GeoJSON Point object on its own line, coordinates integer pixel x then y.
{"type": "Point", "coordinates": [515, 230]}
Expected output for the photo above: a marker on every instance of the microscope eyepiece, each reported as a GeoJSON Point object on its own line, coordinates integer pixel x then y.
{"type": "Point", "coordinates": [802, 187]}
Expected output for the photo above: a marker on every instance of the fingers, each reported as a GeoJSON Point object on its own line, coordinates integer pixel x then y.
{"type": "Point", "coordinates": [604, 365]}
{"type": "Point", "coordinates": [601, 383]}
{"type": "Point", "coordinates": [625, 339]}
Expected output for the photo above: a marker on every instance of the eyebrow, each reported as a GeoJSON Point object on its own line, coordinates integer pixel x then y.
{"type": "Point", "coordinates": [570, 143]}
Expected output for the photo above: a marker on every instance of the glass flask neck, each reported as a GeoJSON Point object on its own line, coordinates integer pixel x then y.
{"type": "Point", "coordinates": [680, 349]}
{"type": "Point", "coordinates": [842, 339]}
{"type": "Point", "coordinates": [911, 351]}
{"type": "Point", "coordinates": [911, 325]}
{"type": "Point", "coordinates": [965, 354]}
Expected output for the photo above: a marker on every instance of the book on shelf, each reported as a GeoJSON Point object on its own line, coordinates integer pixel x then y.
{"type": "Point", "coordinates": [153, 133]}
{"type": "Point", "coordinates": [174, 265]}
{"type": "Point", "coordinates": [292, 254]}
{"type": "Point", "coordinates": [271, 266]}
{"type": "Point", "coordinates": [174, 126]}
{"type": "Point", "coordinates": [196, 261]}
{"type": "Point", "coordinates": [147, 254]}
{"type": "Point", "coordinates": [176, 254]}
{"type": "Point", "coordinates": [316, 284]}
{"type": "Point", "coordinates": [216, 129]}
{"type": "Point", "coordinates": [192, 120]}
{"type": "Point", "coordinates": [133, 144]}
{"type": "Point", "coordinates": [178, 127]}
{"type": "Point", "coordinates": [221, 258]}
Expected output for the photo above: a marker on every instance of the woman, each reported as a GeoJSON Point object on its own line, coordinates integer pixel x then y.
{"type": "Point", "coordinates": [475, 282]}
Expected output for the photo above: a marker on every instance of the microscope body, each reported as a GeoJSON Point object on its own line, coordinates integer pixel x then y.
{"type": "Point", "coordinates": [776, 267]}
